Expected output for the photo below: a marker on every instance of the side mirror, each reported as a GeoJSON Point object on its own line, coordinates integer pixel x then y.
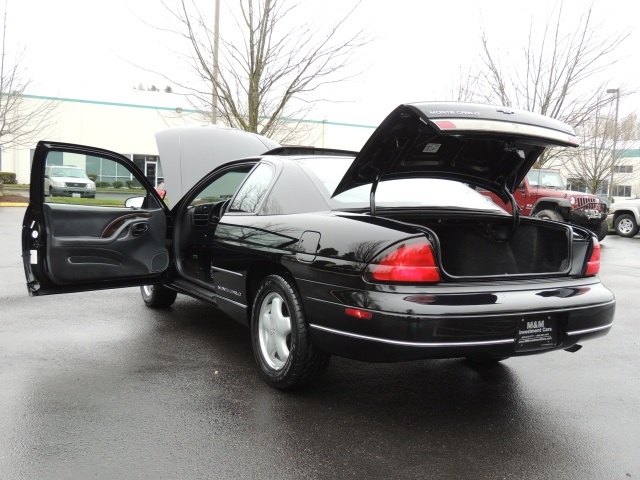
{"type": "Point", "coordinates": [521, 186]}
{"type": "Point", "coordinates": [46, 176]}
{"type": "Point", "coordinates": [134, 202]}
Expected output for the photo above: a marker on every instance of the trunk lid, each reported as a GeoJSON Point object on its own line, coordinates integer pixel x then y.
{"type": "Point", "coordinates": [488, 146]}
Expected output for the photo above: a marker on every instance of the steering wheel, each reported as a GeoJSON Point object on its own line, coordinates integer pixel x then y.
{"type": "Point", "coordinates": [218, 210]}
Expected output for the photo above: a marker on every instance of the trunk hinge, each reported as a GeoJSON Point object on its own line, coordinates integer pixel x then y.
{"type": "Point", "coordinates": [515, 208]}
{"type": "Point", "coordinates": [399, 148]}
{"type": "Point", "coordinates": [372, 195]}
{"type": "Point", "coordinates": [510, 180]}
{"type": "Point", "coordinates": [374, 187]}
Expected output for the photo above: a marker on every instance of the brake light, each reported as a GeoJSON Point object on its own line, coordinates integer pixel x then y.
{"type": "Point", "coordinates": [445, 124]}
{"type": "Point", "coordinates": [593, 265]}
{"type": "Point", "coordinates": [405, 263]}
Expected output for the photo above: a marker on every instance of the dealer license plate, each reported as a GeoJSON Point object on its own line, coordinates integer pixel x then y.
{"type": "Point", "coordinates": [75, 195]}
{"type": "Point", "coordinates": [537, 333]}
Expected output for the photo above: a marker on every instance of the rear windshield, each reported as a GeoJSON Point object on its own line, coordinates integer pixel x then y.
{"type": "Point", "coordinates": [414, 192]}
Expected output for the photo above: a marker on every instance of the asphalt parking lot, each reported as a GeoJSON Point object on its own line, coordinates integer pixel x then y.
{"type": "Point", "coordinates": [97, 385]}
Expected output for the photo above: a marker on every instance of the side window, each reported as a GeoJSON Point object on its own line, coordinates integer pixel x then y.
{"type": "Point", "coordinates": [222, 188]}
{"type": "Point", "coordinates": [253, 190]}
{"type": "Point", "coordinates": [85, 180]}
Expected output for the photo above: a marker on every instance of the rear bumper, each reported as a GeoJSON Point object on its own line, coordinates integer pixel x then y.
{"type": "Point", "coordinates": [451, 325]}
{"type": "Point", "coordinates": [70, 191]}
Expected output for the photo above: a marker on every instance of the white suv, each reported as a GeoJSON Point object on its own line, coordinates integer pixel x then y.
{"type": "Point", "coordinates": [68, 181]}
{"type": "Point", "coordinates": [626, 217]}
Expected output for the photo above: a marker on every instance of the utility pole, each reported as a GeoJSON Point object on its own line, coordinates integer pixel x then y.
{"type": "Point", "coordinates": [214, 93]}
{"type": "Point", "coordinates": [615, 141]}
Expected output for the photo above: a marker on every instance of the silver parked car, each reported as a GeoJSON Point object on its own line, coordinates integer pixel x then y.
{"type": "Point", "coordinates": [68, 181]}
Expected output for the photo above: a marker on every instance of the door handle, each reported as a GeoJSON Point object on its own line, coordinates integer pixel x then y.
{"type": "Point", "coordinates": [139, 228]}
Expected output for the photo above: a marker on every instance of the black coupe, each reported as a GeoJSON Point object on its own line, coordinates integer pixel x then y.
{"type": "Point", "coordinates": [388, 255]}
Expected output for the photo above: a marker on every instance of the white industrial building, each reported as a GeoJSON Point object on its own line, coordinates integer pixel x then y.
{"type": "Point", "coordinates": [129, 128]}
{"type": "Point", "coordinates": [626, 175]}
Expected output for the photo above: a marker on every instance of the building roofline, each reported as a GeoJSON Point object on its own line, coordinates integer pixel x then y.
{"type": "Point", "coordinates": [173, 109]}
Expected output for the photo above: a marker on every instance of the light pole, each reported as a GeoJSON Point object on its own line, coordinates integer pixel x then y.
{"type": "Point", "coordinates": [615, 141]}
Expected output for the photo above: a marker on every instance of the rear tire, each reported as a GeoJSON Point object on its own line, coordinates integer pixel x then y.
{"type": "Point", "coordinates": [158, 296]}
{"type": "Point", "coordinates": [282, 347]}
{"type": "Point", "coordinates": [626, 226]}
{"type": "Point", "coordinates": [550, 215]}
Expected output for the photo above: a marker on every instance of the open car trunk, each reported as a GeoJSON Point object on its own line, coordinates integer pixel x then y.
{"type": "Point", "coordinates": [491, 247]}
{"type": "Point", "coordinates": [491, 147]}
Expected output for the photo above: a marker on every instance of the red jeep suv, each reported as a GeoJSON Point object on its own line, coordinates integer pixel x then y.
{"type": "Point", "coordinates": [543, 194]}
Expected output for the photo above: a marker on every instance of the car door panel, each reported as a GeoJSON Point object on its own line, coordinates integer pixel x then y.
{"type": "Point", "coordinates": [103, 243]}
{"type": "Point", "coordinates": [79, 244]}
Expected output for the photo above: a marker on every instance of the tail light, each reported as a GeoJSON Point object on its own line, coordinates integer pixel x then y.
{"type": "Point", "coordinates": [593, 265]}
{"type": "Point", "coordinates": [407, 262]}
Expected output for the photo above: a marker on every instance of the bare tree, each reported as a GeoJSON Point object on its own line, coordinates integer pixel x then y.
{"type": "Point", "coordinates": [556, 71]}
{"type": "Point", "coordinates": [271, 75]}
{"type": "Point", "coordinates": [465, 87]}
{"type": "Point", "coordinates": [629, 128]}
{"type": "Point", "coordinates": [21, 120]}
{"type": "Point", "coordinates": [591, 164]}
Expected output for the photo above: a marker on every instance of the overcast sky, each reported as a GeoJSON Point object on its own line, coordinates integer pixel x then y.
{"type": "Point", "coordinates": [85, 48]}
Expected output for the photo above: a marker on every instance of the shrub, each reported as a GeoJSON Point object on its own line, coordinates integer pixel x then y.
{"type": "Point", "coordinates": [117, 184]}
{"type": "Point", "coordinates": [103, 184]}
{"type": "Point", "coordinates": [129, 183]}
{"type": "Point", "coordinates": [7, 178]}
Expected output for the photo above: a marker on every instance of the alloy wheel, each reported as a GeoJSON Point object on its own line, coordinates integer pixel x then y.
{"type": "Point", "coordinates": [274, 330]}
{"type": "Point", "coordinates": [625, 226]}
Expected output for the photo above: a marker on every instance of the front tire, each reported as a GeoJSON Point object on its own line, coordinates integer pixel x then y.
{"type": "Point", "coordinates": [626, 226]}
{"type": "Point", "coordinates": [158, 296]}
{"type": "Point", "coordinates": [550, 215]}
{"type": "Point", "coordinates": [601, 230]}
{"type": "Point", "coordinates": [280, 336]}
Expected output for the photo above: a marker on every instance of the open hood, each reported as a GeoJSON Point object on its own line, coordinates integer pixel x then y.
{"type": "Point", "coordinates": [488, 146]}
{"type": "Point", "coordinates": [188, 153]}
